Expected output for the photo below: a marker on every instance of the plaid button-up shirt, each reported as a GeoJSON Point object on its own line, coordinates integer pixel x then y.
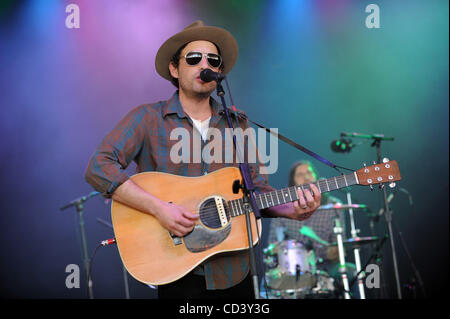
{"type": "Point", "coordinates": [143, 136]}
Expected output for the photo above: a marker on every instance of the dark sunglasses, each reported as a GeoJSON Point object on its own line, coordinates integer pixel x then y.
{"type": "Point", "coordinates": [194, 58]}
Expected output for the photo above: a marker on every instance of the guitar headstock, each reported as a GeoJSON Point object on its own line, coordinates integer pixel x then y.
{"type": "Point", "coordinates": [386, 172]}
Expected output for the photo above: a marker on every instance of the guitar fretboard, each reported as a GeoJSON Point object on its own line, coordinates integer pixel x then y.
{"type": "Point", "coordinates": [289, 194]}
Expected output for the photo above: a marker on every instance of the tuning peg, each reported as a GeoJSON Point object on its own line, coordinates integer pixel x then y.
{"type": "Point", "coordinates": [392, 185]}
{"type": "Point", "coordinates": [381, 186]}
{"type": "Point", "coordinates": [374, 163]}
{"type": "Point", "coordinates": [385, 160]}
{"type": "Point", "coordinates": [366, 170]}
{"type": "Point", "coordinates": [371, 187]}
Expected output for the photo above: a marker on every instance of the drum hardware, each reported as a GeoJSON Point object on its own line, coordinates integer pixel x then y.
{"type": "Point", "coordinates": [297, 277]}
{"type": "Point", "coordinates": [354, 233]}
{"type": "Point", "coordinates": [287, 276]}
{"type": "Point", "coordinates": [293, 272]}
{"type": "Point", "coordinates": [308, 232]}
{"type": "Point", "coordinates": [325, 284]}
{"type": "Point", "coordinates": [357, 242]}
{"type": "Point", "coordinates": [375, 256]}
{"type": "Point", "coordinates": [342, 206]}
{"type": "Point", "coordinates": [342, 268]}
{"type": "Point", "coordinates": [295, 267]}
{"type": "Point", "coordinates": [323, 289]}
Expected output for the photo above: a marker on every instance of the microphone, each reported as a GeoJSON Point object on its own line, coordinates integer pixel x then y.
{"type": "Point", "coordinates": [380, 137]}
{"type": "Point", "coordinates": [342, 145]}
{"type": "Point", "coordinates": [381, 211]}
{"type": "Point", "coordinates": [208, 75]}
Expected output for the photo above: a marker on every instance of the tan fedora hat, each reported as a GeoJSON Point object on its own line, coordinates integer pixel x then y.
{"type": "Point", "coordinates": [194, 32]}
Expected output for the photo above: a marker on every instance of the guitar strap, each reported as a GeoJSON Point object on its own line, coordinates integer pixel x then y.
{"type": "Point", "coordinates": [289, 141]}
{"type": "Point", "coordinates": [281, 137]}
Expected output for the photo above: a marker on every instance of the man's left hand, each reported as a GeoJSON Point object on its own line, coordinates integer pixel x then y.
{"type": "Point", "coordinates": [307, 203]}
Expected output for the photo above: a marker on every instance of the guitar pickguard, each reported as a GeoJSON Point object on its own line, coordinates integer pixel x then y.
{"type": "Point", "coordinates": [202, 238]}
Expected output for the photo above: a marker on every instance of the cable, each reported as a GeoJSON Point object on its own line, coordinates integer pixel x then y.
{"type": "Point", "coordinates": [91, 260]}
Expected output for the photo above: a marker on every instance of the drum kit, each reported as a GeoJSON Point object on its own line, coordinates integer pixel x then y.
{"type": "Point", "coordinates": [294, 272]}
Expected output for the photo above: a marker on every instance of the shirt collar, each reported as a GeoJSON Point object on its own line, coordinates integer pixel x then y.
{"type": "Point", "coordinates": [173, 106]}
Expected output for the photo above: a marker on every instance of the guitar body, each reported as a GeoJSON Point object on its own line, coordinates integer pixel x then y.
{"type": "Point", "coordinates": [149, 252]}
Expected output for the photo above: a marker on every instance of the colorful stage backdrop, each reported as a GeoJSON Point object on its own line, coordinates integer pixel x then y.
{"type": "Point", "coordinates": [312, 69]}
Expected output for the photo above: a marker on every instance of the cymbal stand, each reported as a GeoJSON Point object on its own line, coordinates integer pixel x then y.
{"type": "Point", "coordinates": [354, 232]}
{"type": "Point", "coordinates": [342, 268]}
{"type": "Point", "coordinates": [376, 255]}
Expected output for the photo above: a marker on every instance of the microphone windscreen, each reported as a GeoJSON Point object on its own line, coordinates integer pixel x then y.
{"type": "Point", "coordinates": [341, 146]}
{"type": "Point", "coordinates": [335, 146]}
{"type": "Point", "coordinates": [207, 75]}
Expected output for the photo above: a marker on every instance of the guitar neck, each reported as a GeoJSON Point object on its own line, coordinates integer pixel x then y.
{"type": "Point", "coordinates": [289, 194]}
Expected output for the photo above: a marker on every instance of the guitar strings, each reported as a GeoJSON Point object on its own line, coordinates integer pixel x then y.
{"type": "Point", "coordinates": [208, 214]}
{"type": "Point", "coordinates": [239, 210]}
{"type": "Point", "coordinates": [236, 208]}
{"type": "Point", "coordinates": [235, 205]}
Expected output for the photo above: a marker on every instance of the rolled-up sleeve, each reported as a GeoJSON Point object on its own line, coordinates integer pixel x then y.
{"type": "Point", "coordinates": [106, 169]}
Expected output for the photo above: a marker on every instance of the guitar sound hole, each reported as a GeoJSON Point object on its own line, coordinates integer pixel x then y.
{"type": "Point", "coordinates": [209, 214]}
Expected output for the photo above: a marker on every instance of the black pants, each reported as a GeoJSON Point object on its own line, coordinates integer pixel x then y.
{"type": "Point", "coordinates": [194, 287]}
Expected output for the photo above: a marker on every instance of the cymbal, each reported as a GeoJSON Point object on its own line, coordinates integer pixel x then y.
{"type": "Point", "coordinates": [341, 206]}
{"type": "Point", "coordinates": [309, 232]}
{"type": "Point", "coordinates": [357, 241]}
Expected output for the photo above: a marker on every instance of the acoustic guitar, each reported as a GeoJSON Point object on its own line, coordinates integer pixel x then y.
{"type": "Point", "coordinates": [153, 255]}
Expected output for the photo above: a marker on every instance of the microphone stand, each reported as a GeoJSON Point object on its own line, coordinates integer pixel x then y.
{"type": "Point", "coordinates": [377, 138]}
{"type": "Point", "coordinates": [388, 217]}
{"type": "Point", "coordinates": [248, 189]}
{"type": "Point", "coordinates": [411, 262]}
{"type": "Point", "coordinates": [78, 204]}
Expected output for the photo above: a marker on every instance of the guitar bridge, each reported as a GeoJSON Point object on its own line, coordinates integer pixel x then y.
{"type": "Point", "coordinates": [176, 240]}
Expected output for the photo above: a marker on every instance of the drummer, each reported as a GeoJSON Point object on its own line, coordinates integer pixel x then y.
{"type": "Point", "coordinates": [321, 223]}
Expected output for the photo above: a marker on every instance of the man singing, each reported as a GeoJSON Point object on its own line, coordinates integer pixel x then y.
{"type": "Point", "coordinates": [143, 136]}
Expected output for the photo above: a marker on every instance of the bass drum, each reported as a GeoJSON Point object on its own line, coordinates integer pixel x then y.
{"type": "Point", "coordinates": [293, 267]}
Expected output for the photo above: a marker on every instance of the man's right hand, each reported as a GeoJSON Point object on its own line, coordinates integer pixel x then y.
{"type": "Point", "coordinates": [177, 219]}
